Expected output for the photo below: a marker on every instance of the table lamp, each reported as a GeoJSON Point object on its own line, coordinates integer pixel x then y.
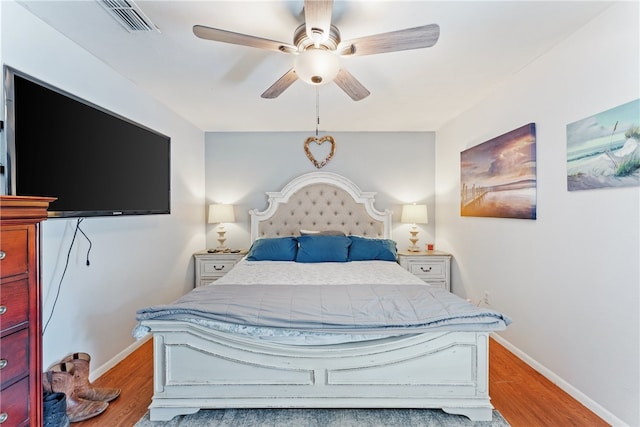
{"type": "Point", "coordinates": [221, 214]}
{"type": "Point", "coordinates": [414, 214]}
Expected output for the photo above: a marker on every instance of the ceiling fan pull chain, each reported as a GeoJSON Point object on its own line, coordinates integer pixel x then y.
{"type": "Point", "coordinates": [319, 141]}
{"type": "Point", "coordinates": [317, 109]}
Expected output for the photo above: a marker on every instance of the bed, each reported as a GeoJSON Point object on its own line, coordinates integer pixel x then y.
{"type": "Point", "coordinates": [208, 353]}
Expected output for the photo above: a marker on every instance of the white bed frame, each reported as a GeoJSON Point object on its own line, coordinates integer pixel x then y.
{"type": "Point", "coordinates": [195, 367]}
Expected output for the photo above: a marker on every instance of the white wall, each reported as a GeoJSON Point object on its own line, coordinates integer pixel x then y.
{"type": "Point", "coordinates": [569, 279]}
{"type": "Point", "coordinates": [241, 167]}
{"type": "Point", "coordinates": [135, 261]}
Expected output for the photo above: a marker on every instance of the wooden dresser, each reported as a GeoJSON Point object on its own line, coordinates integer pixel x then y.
{"type": "Point", "coordinates": [20, 310]}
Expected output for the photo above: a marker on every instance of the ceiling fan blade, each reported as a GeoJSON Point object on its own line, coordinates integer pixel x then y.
{"type": "Point", "coordinates": [351, 85]}
{"type": "Point", "coordinates": [225, 36]}
{"type": "Point", "coordinates": [281, 85]}
{"type": "Point", "coordinates": [317, 18]}
{"type": "Point", "coordinates": [409, 38]}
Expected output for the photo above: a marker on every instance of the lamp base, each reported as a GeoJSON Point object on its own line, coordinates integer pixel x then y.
{"type": "Point", "coordinates": [221, 239]}
{"type": "Point", "coordinates": [414, 240]}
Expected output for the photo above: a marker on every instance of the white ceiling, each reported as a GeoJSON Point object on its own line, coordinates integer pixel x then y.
{"type": "Point", "coordinates": [217, 86]}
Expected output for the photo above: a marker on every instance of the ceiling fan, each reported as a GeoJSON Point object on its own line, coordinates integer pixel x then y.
{"type": "Point", "coordinates": [317, 46]}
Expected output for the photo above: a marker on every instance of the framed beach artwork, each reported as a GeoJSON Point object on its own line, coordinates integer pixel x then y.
{"type": "Point", "coordinates": [603, 151]}
{"type": "Point", "coordinates": [498, 177]}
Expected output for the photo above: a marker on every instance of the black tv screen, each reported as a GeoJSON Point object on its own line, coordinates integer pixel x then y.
{"type": "Point", "coordinates": [95, 162]}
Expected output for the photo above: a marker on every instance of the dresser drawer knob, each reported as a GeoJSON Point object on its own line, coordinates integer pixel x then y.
{"type": "Point", "coordinates": [216, 268]}
{"type": "Point", "coordinates": [3, 309]}
{"type": "Point", "coordinates": [425, 270]}
{"type": "Point", "coordinates": [3, 255]}
{"type": "Point", "coordinates": [3, 417]}
{"type": "Point", "coordinates": [3, 363]}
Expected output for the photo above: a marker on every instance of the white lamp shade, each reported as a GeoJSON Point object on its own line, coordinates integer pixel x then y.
{"type": "Point", "coordinates": [317, 66]}
{"type": "Point", "coordinates": [219, 213]}
{"type": "Point", "coordinates": [414, 214]}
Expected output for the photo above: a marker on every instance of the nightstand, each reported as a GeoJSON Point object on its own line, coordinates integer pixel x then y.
{"type": "Point", "coordinates": [433, 267]}
{"type": "Point", "coordinates": [212, 266]}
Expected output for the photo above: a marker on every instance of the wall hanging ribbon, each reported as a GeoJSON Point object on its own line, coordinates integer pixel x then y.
{"type": "Point", "coordinates": [319, 141]}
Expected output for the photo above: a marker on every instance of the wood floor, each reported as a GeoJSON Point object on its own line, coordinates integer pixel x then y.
{"type": "Point", "coordinates": [524, 397]}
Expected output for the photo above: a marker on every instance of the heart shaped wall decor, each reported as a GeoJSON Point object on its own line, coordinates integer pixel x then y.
{"type": "Point", "coordinates": [319, 141]}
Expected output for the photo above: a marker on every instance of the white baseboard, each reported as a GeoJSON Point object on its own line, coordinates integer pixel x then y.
{"type": "Point", "coordinates": [557, 380]}
{"type": "Point", "coordinates": [101, 370]}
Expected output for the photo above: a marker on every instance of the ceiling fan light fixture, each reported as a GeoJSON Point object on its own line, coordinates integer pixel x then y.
{"type": "Point", "coordinates": [317, 66]}
{"type": "Point", "coordinates": [317, 47]}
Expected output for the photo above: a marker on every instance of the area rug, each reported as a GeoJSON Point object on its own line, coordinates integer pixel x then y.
{"type": "Point", "coordinates": [322, 418]}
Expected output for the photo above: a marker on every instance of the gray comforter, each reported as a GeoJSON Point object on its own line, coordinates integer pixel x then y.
{"type": "Point", "coordinates": [357, 308]}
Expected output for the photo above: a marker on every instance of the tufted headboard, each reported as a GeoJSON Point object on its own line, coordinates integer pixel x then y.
{"type": "Point", "coordinates": [320, 201]}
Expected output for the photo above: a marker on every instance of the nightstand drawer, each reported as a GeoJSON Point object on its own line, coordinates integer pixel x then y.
{"type": "Point", "coordinates": [217, 268]}
{"type": "Point", "coordinates": [207, 281]}
{"type": "Point", "coordinates": [429, 270]}
{"type": "Point", "coordinates": [209, 267]}
{"type": "Point", "coordinates": [432, 267]}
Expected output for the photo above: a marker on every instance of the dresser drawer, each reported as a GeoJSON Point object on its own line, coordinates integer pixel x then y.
{"type": "Point", "coordinates": [14, 303]}
{"type": "Point", "coordinates": [13, 357]}
{"type": "Point", "coordinates": [13, 252]}
{"type": "Point", "coordinates": [428, 269]}
{"type": "Point", "coordinates": [14, 404]}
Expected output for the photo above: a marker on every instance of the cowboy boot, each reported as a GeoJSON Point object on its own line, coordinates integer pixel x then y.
{"type": "Point", "coordinates": [54, 410]}
{"type": "Point", "coordinates": [83, 388]}
{"type": "Point", "coordinates": [59, 379]}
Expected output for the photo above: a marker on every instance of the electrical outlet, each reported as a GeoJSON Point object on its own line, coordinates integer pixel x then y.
{"type": "Point", "coordinates": [485, 298]}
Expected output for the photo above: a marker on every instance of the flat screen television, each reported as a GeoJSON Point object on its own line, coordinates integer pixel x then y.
{"type": "Point", "coordinates": [94, 161]}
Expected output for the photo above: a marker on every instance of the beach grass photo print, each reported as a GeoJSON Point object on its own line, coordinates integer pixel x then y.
{"type": "Point", "coordinates": [603, 151]}
{"type": "Point", "coordinates": [498, 177]}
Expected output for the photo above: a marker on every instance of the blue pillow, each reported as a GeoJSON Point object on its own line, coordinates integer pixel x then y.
{"type": "Point", "coordinates": [314, 248]}
{"type": "Point", "coordinates": [273, 249]}
{"type": "Point", "coordinates": [363, 249]}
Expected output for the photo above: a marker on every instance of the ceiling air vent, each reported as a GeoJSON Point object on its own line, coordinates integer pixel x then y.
{"type": "Point", "coordinates": [129, 15]}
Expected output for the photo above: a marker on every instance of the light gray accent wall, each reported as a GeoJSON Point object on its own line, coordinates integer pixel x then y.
{"type": "Point", "coordinates": [241, 167]}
